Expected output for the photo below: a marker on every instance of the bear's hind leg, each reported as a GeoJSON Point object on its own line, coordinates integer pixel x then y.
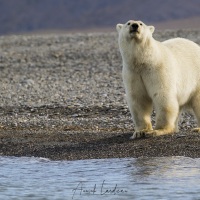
{"type": "Point", "coordinates": [196, 109]}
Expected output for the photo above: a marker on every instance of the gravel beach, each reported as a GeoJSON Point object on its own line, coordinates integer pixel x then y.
{"type": "Point", "coordinates": [62, 97]}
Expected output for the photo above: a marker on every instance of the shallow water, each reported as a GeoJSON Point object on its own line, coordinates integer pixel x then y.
{"type": "Point", "coordinates": [142, 178]}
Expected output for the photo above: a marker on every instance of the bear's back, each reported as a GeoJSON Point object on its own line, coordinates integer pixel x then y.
{"type": "Point", "coordinates": [181, 44]}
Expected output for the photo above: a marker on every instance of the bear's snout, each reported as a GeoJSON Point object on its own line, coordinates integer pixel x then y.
{"type": "Point", "coordinates": [134, 27]}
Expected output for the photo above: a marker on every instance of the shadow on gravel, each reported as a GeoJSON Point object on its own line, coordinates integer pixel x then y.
{"type": "Point", "coordinates": [94, 149]}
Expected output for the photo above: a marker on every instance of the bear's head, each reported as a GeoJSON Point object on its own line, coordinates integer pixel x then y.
{"type": "Point", "coordinates": [134, 31]}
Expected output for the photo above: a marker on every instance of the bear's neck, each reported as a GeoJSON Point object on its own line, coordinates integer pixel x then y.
{"type": "Point", "coordinates": [135, 54]}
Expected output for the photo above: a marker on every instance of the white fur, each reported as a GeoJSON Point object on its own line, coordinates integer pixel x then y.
{"type": "Point", "coordinates": [164, 75]}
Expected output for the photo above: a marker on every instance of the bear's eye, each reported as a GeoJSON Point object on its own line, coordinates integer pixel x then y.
{"type": "Point", "coordinates": [129, 24]}
{"type": "Point", "coordinates": [141, 24]}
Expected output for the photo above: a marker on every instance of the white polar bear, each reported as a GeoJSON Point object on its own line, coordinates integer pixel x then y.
{"type": "Point", "coordinates": [164, 75]}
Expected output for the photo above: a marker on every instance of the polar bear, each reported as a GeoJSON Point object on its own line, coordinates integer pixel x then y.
{"type": "Point", "coordinates": [164, 75]}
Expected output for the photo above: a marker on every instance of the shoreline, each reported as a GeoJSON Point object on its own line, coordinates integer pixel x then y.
{"type": "Point", "coordinates": [89, 138]}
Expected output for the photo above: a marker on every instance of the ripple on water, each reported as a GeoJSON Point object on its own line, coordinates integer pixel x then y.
{"type": "Point", "coordinates": [128, 178]}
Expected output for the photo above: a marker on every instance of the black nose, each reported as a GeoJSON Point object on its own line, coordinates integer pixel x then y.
{"type": "Point", "coordinates": [135, 26]}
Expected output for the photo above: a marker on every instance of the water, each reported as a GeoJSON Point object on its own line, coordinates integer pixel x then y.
{"type": "Point", "coordinates": [143, 178]}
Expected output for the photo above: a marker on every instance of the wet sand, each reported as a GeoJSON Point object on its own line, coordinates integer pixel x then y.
{"type": "Point", "coordinates": [62, 97]}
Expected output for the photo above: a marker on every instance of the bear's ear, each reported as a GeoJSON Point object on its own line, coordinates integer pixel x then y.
{"type": "Point", "coordinates": [152, 29]}
{"type": "Point", "coordinates": [119, 27]}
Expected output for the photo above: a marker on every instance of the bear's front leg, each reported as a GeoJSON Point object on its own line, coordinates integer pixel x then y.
{"type": "Point", "coordinates": [166, 119]}
{"type": "Point", "coordinates": [141, 114]}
